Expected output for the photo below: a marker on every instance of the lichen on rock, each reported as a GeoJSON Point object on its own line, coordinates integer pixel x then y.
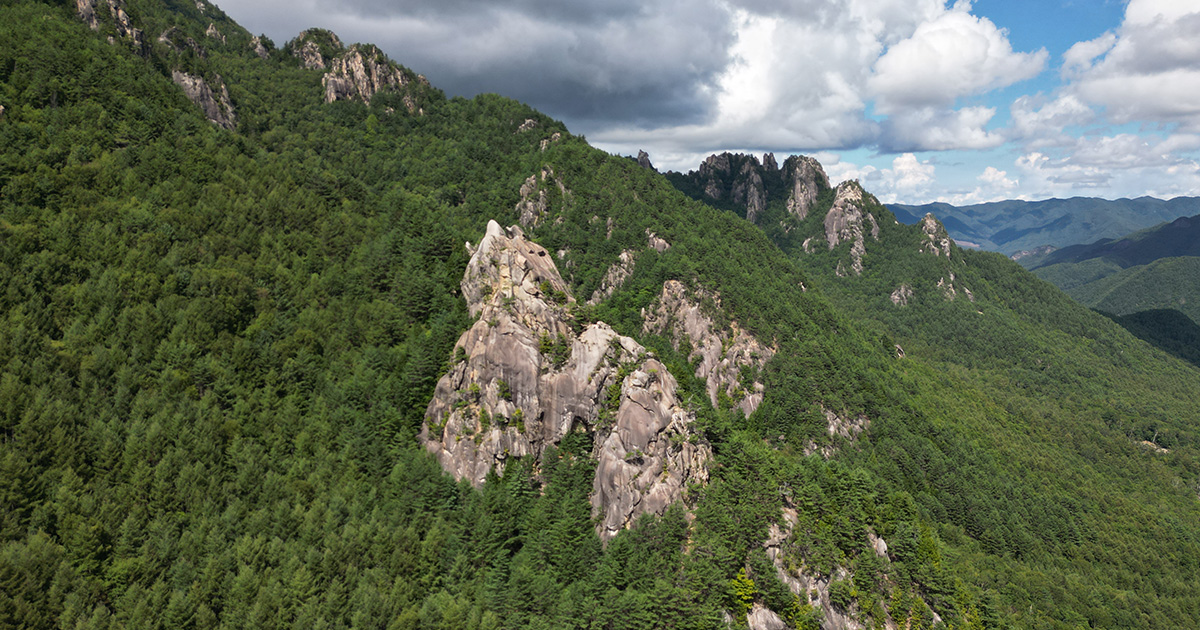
{"type": "Point", "coordinates": [524, 379]}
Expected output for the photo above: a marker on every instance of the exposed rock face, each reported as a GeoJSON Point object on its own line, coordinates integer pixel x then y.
{"type": "Point", "coordinates": [546, 142]}
{"type": "Point", "coordinates": [529, 125]}
{"type": "Point", "coordinates": [215, 104]}
{"type": "Point", "coordinates": [525, 381]}
{"type": "Point", "coordinates": [308, 46]}
{"type": "Point", "coordinates": [748, 189]}
{"type": "Point", "coordinates": [214, 33]}
{"type": "Point", "coordinates": [257, 46]}
{"type": "Point", "coordinates": [846, 222]}
{"type": "Point", "coordinates": [1037, 251]}
{"type": "Point", "coordinates": [711, 170]}
{"type": "Point", "coordinates": [769, 163]}
{"type": "Point", "coordinates": [807, 179]}
{"type": "Point", "coordinates": [643, 160]}
{"type": "Point", "coordinates": [810, 588]}
{"type": "Point", "coordinates": [616, 276]}
{"type": "Point", "coordinates": [939, 239]}
{"type": "Point", "coordinates": [652, 241]}
{"type": "Point", "coordinates": [762, 618]}
{"type": "Point", "coordinates": [902, 295]}
{"type": "Point", "coordinates": [362, 71]}
{"type": "Point", "coordinates": [87, 12]}
{"type": "Point", "coordinates": [534, 203]}
{"type": "Point", "coordinates": [723, 352]}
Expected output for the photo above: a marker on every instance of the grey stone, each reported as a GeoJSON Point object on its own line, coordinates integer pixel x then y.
{"type": "Point", "coordinates": [722, 352]}
{"type": "Point", "coordinates": [214, 103]}
{"type": "Point", "coordinates": [505, 397]}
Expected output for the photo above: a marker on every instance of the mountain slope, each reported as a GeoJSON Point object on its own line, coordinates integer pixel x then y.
{"type": "Point", "coordinates": [1014, 226]}
{"type": "Point", "coordinates": [234, 350]}
{"type": "Point", "coordinates": [1150, 269]}
{"type": "Point", "coordinates": [1037, 382]}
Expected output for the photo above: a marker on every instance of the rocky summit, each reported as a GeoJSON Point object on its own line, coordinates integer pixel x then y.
{"type": "Point", "coordinates": [527, 374]}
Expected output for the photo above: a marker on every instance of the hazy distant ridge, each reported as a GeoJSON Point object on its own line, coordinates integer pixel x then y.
{"type": "Point", "coordinates": [1013, 226]}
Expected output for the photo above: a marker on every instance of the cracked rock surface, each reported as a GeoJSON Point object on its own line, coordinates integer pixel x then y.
{"type": "Point", "coordinates": [723, 352]}
{"type": "Point", "coordinates": [526, 375]}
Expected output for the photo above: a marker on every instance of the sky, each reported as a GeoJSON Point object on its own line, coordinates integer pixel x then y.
{"type": "Point", "coordinates": [921, 100]}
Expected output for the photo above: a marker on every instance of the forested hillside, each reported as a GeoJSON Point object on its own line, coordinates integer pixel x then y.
{"type": "Point", "coordinates": [1147, 270]}
{"type": "Point", "coordinates": [233, 277]}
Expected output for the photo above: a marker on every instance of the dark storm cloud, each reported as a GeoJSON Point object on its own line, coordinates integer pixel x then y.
{"type": "Point", "coordinates": [594, 63]}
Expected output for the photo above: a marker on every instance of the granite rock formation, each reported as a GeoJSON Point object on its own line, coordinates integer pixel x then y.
{"type": "Point", "coordinates": [725, 353]}
{"type": "Point", "coordinates": [847, 221]}
{"type": "Point", "coordinates": [214, 103]}
{"type": "Point", "coordinates": [806, 179]}
{"type": "Point", "coordinates": [526, 375]}
{"type": "Point", "coordinates": [86, 9]}
{"type": "Point", "coordinates": [938, 242]}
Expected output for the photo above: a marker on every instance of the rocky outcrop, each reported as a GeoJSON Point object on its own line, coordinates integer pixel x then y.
{"type": "Point", "coordinates": [546, 142]}
{"type": "Point", "coordinates": [730, 359]}
{"type": "Point", "coordinates": [534, 203]}
{"type": "Point", "coordinates": [616, 276]}
{"type": "Point", "coordinates": [213, 33]}
{"type": "Point", "coordinates": [653, 241]}
{"type": "Point", "coordinates": [806, 179]}
{"type": "Point", "coordinates": [315, 47]}
{"type": "Point", "coordinates": [748, 189]}
{"type": "Point", "coordinates": [762, 618]}
{"type": "Point", "coordinates": [810, 588]}
{"type": "Point", "coordinates": [902, 295]}
{"type": "Point", "coordinates": [529, 125]}
{"type": "Point", "coordinates": [257, 46]}
{"type": "Point", "coordinates": [712, 170]}
{"type": "Point", "coordinates": [87, 12]}
{"type": "Point", "coordinates": [847, 222]}
{"type": "Point", "coordinates": [523, 380]}
{"type": "Point", "coordinates": [86, 9]}
{"type": "Point", "coordinates": [769, 163]}
{"type": "Point", "coordinates": [214, 103]}
{"type": "Point", "coordinates": [362, 71]}
{"type": "Point", "coordinates": [177, 41]}
{"type": "Point", "coordinates": [937, 238]}
{"type": "Point", "coordinates": [643, 160]}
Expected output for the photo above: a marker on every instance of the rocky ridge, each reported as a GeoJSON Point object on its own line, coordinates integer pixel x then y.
{"type": "Point", "coordinates": [358, 72]}
{"type": "Point", "coordinates": [534, 203]}
{"type": "Point", "coordinates": [847, 221]}
{"type": "Point", "coordinates": [86, 9]}
{"type": "Point", "coordinates": [526, 375]}
{"type": "Point", "coordinates": [729, 358]}
{"type": "Point", "coordinates": [807, 179]}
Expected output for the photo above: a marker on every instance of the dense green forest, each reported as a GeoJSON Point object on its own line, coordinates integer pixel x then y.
{"type": "Point", "coordinates": [218, 346]}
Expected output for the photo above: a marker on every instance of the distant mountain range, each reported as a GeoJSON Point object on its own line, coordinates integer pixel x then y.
{"type": "Point", "coordinates": [1154, 268]}
{"type": "Point", "coordinates": [1014, 226]}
